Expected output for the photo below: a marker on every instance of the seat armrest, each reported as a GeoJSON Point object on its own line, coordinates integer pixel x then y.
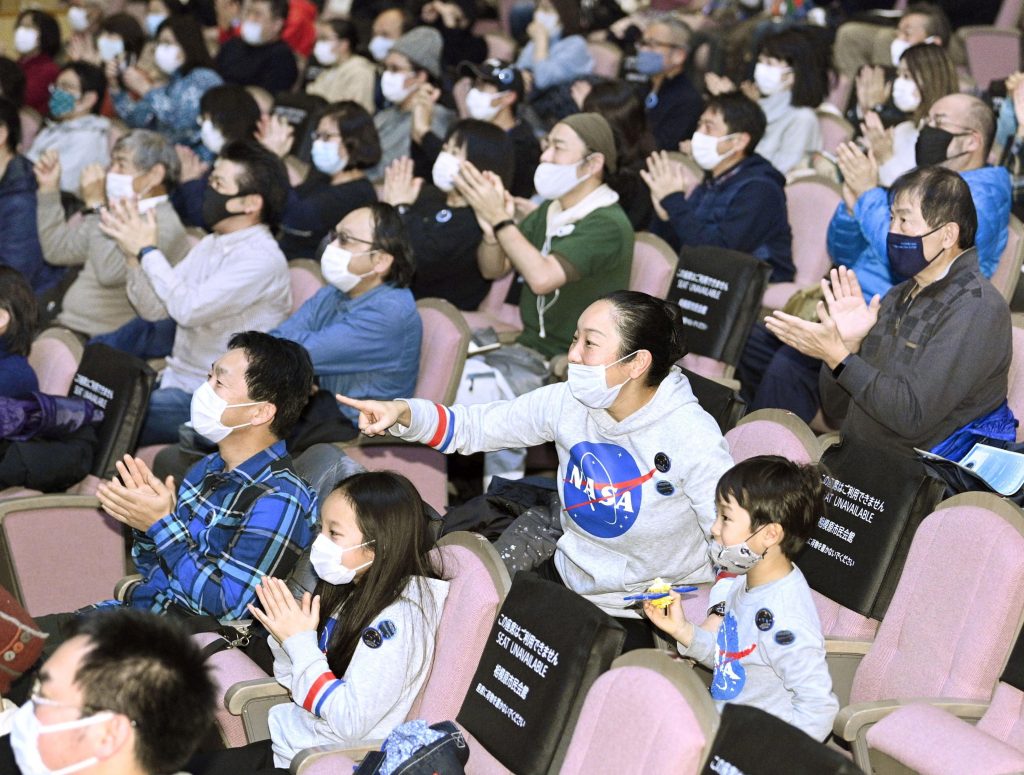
{"type": "Point", "coordinates": [308, 756]}
{"type": "Point", "coordinates": [847, 647]}
{"type": "Point", "coordinates": [243, 692]}
{"type": "Point", "coordinates": [853, 719]}
{"type": "Point", "coordinates": [122, 587]}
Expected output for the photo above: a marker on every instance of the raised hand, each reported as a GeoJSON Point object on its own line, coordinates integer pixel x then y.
{"type": "Point", "coordinates": [401, 187]}
{"type": "Point", "coordinates": [376, 417]}
{"type": "Point", "coordinates": [132, 231]}
{"type": "Point", "coordinates": [276, 135]}
{"type": "Point", "coordinates": [845, 305]}
{"type": "Point", "coordinates": [47, 171]}
{"type": "Point", "coordinates": [282, 614]}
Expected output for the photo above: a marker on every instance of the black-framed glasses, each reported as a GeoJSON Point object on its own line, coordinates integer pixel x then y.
{"type": "Point", "coordinates": [344, 238]}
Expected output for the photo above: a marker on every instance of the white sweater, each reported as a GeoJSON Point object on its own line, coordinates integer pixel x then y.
{"type": "Point", "coordinates": [637, 496]}
{"type": "Point", "coordinates": [387, 671]}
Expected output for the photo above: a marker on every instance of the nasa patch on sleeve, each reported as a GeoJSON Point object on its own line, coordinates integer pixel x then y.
{"type": "Point", "coordinates": [784, 637]}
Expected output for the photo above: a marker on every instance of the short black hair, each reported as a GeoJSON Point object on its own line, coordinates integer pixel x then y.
{"type": "Point", "coordinates": [345, 30]}
{"type": "Point", "coordinates": [945, 198]}
{"type": "Point", "coordinates": [648, 323]}
{"type": "Point", "coordinates": [358, 133]}
{"type": "Point", "coordinates": [187, 32]}
{"type": "Point", "coordinates": [232, 110]}
{"type": "Point", "coordinates": [278, 8]}
{"type": "Point", "coordinates": [773, 489]}
{"type": "Point", "coordinates": [90, 79]}
{"type": "Point", "coordinates": [49, 30]}
{"type": "Point", "coordinates": [740, 114]}
{"type": "Point", "coordinates": [938, 23]}
{"type": "Point", "coordinates": [488, 147]}
{"type": "Point", "coordinates": [147, 667]}
{"type": "Point", "coordinates": [280, 372]}
{"type": "Point", "coordinates": [389, 235]}
{"type": "Point", "coordinates": [798, 49]}
{"type": "Point", "coordinates": [17, 298]}
{"type": "Point", "coordinates": [11, 119]}
{"type": "Point", "coordinates": [12, 81]}
{"type": "Point", "coordinates": [263, 174]}
{"type": "Point", "coordinates": [128, 29]}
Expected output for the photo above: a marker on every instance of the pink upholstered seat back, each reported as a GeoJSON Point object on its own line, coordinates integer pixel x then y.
{"type": "Point", "coordinates": [54, 358]}
{"type": "Point", "coordinates": [469, 612]}
{"type": "Point", "coordinates": [991, 52]}
{"type": "Point", "coordinates": [1004, 719]}
{"type": "Point", "coordinates": [834, 131]}
{"type": "Point", "coordinates": [1015, 388]}
{"type": "Point", "coordinates": [654, 265]}
{"type": "Point", "coordinates": [811, 202]}
{"type": "Point", "coordinates": [1007, 272]}
{"type": "Point", "coordinates": [934, 642]}
{"type": "Point", "coordinates": [773, 432]}
{"type": "Point", "coordinates": [841, 623]}
{"type": "Point", "coordinates": [607, 59]}
{"type": "Point", "coordinates": [305, 283]}
{"type": "Point", "coordinates": [706, 367]}
{"type": "Point", "coordinates": [442, 352]}
{"type": "Point", "coordinates": [229, 667]}
{"type": "Point", "coordinates": [635, 720]}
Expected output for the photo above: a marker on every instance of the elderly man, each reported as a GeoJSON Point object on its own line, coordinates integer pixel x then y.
{"type": "Point", "coordinates": [144, 166]}
{"type": "Point", "coordinates": [673, 104]}
{"type": "Point", "coordinates": [905, 371]}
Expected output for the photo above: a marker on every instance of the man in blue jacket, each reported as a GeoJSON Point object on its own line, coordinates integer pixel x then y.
{"type": "Point", "coordinates": [741, 204]}
{"type": "Point", "coordinates": [958, 136]}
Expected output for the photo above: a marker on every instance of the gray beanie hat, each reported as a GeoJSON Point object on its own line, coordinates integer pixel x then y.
{"type": "Point", "coordinates": [596, 134]}
{"type": "Point", "coordinates": [422, 46]}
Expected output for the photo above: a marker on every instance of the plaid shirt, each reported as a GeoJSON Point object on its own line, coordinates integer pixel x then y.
{"type": "Point", "coordinates": [208, 556]}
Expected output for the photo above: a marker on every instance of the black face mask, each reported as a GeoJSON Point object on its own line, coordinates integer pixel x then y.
{"type": "Point", "coordinates": [933, 145]}
{"type": "Point", "coordinates": [215, 206]}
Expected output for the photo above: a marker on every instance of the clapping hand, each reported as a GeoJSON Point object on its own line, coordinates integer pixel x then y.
{"type": "Point", "coordinates": [140, 500]}
{"type": "Point", "coordinates": [859, 169]}
{"type": "Point", "coordinates": [47, 171]}
{"type": "Point", "coordinates": [276, 135]}
{"type": "Point", "coordinates": [282, 614]}
{"type": "Point", "coordinates": [401, 187]}
{"type": "Point", "coordinates": [132, 230]}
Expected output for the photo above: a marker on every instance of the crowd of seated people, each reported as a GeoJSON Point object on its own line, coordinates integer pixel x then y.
{"type": "Point", "coordinates": [168, 169]}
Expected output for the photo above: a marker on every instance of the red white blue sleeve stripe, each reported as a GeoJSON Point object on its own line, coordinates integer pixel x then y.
{"type": "Point", "coordinates": [320, 690]}
{"type": "Point", "coordinates": [445, 429]}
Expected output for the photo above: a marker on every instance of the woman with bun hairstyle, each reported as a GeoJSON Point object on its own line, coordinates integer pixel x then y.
{"type": "Point", "coordinates": [638, 458]}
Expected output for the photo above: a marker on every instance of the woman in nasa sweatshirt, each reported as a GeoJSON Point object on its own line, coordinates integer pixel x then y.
{"type": "Point", "coordinates": [638, 458]}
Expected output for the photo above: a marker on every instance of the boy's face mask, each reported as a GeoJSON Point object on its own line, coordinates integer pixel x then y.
{"type": "Point", "coordinates": [738, 558]}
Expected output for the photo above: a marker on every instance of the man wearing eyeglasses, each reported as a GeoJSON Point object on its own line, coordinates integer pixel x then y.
{"type": "Point", "coordinates": [673, 104]}
{"type": "Point", "coordinates": [129, 694]}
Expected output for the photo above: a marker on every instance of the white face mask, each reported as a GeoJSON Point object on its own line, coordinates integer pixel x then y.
{"type": "Point", "coordinates": [705, 150]}
{"type": "Point", "coordinates": [25, 39]}
{"type": "Point", "coordinates": [380, 47]}
{"type": "Point", "coordinates": [392, 86]}
{"type": "Point", "coordinates": [325, 555]}
{"type": "Point", "coordinates": [905, 95]}
{"type": "Point", "coordinates": [25, 732]}
{"type": "Point", "coordinates": [153, 22]}
{"type": "Point", "coordinates": [78, 18]}
{"type": "Point", "coordinates": [211, 136]}
{"type": "Point", "coordinates": [208, 408]}
{"type": "Point", "coordinates": [897, 49]}
{"type": "Point", "coordinates": [168, 57]}
{"type": "Point", "coordinates": [334, 265]}
{"type": "Point", "coordinates": [556, 180]}
{"type": "Point", "coordinates": [109, 48]}
{"type": "Point", "coordinates": [326, 157]}
{"type": "Point", "coordinates": [549, 20]}
{"type": "Point", "coordinates": [119, 186]}
{"type": "Point", "coordinates": [769, 78]}
{"type": "Point", "coordinates": [252, 32]}
{"type": "Point", "coordinates": [446, 169]}
{"type": "Point", "coordinates": [324, 52]}
{"type": "Point", "coordinates": [738, 558]}
{"type": "Point", "coordinates": [478, 103]}
{"type": "Point", "coordinates": [589, 384]}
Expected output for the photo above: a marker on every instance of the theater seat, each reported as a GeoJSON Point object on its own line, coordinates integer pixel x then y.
{"type": "Point", "coordinates": [54, 358]}
{"type": "Point", "coordinates": [607, 58]}
{"type": "Point", "coordinates": [773, 432]}
{"type": "Point", "coordinates": [835, 130]}
{"type": "Point", "coordinates": [1007, 272]}
{"type": "Point", "coordinates": [495, 313]}
{"type": "Point", "coordinates": [306, 280]}
{"type": "Point", "coordinates": [1015, 388]}
{"type": "Point", "coordinates": [654, 265]}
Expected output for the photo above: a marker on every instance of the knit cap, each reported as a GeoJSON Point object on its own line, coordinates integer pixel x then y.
{"type": "Point", "coordinates": [422, 46]}
{"type": "Point", "coordinates": [596, 134]}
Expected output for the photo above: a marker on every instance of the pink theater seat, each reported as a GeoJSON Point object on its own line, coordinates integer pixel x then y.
{"type": "Point", "coordinates": [54, 357]}
{"type": "Point", "coordinates": [811, 202]}
{"type": "Point", "coordinates": [992, 52]}
{"type": "Point", "coordinates": [840, 623]}
{"type": "Point", "coordinates": [773, 432]}
{"type": "Point", "coordinates": [654, 265]}
{"type": "Point", "coordinates": [494, 313]}
{"type": "Point", "coordinates": [306, 281]}
{"type": "Point", "coordinates": [607, 58]}
{"type": "Point", "coordinates": [1015, 388]}
{"type": "Point", "coordinates": [1007, 272]}
{"type": "Point", "coordinates": [835, 130]}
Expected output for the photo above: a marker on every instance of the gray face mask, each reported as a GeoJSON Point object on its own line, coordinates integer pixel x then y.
{"type": "Point", "coordinates": [738, 558]}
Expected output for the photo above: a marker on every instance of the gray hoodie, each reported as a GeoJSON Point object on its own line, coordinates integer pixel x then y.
{"type": "Point", "coordinates": [637, 496]}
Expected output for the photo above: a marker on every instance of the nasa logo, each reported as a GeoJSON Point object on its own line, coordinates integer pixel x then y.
{"type": "Point", "coordinates": [603, 488]}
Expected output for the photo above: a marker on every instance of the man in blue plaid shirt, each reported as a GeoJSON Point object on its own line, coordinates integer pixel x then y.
{"type": "Point", "coordinates": [241, 513]}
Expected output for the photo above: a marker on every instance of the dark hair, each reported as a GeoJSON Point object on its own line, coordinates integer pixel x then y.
{"type": "Point", "coordinates": [934, 75]}
{"type": "Point", "coordinates": [279, 372]}
{"type": "Point", "coordinates": [773, 489]}
{"type": "Point", "coordinates": [488, 147]}
{"type": "Point", "coordinates": [263, 174]}
{"type": "Point", "coordinates": [358, 133]}
{"type": "Point", "coordinates": [12, 81]}
{"type": "Point", "coordinates": [17, 298]}
{"type": "Point", "coordinates": [390, 513]}
{"type": "Point", "coordinates": [10, 118]}
{"type": "Point", "coordinates": [345, 30]}
{"type": "Point", "coordinates": [90, 79]}
{"type": "Point", "coordinates": [49, 30]}
{"type": "Point", "coordinates": [189, 35]}
{"type": "Point", "coordinates": [126, 27]}
{"type": "Point", "coordinates": [621, 105]}
{"type": "Point", "coordinates": [810, 68]}
{"type": "Point", "coordinates": [740, 114]}
{"type": "Point", "coordinates": [146, 667]}
{"type": "Point", "coordinates": [938, 23]}
{"type": "Point", "coordinates": [944, 197]}
{"type": "Point", "coordinates": [647, 323]}
{"type": "Point", "coordinates": [569, 16]}
{"type": "Point", "coordinates": [390, 236]}
{"type": "Point", "coordinates": [232, 110]}
{"type": "Point", "coordinates": [278, 8]}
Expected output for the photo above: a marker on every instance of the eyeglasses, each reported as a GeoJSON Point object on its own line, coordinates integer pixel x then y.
{"type": "Point", "coordinates": [344, 238]}
{"type": "Point", "coordinates": [941, 122]}
{"type": "Point", "coordinates": [86, 710]}
{"type": "Point", "coordinates": [647, 43]}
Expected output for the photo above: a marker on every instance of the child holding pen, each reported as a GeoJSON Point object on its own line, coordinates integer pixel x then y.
{"type": "Point", "coordinates": [765, 643]}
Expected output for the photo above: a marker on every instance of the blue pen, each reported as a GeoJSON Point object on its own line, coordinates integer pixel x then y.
{"type": "Point", "coordinates": [659, 595]}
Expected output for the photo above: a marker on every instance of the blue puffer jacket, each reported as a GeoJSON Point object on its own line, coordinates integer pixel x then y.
{"type": "Point", "coordinates": [744, 209]}
{"type": "Point", "coordinates": [858, 240]}
{"type": "Point", "coordinates": [19, 243]}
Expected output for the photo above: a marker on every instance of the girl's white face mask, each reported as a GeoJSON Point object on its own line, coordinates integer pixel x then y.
{"type": "Point", "coordinates": [769, 78]}
{"type": "Point", "coordinates": [589, 384]}
{"type": "Point", "coordinates": [325, 555]}
{"type": "Point", "coordinates": [446, 169]}
{"type": "Point", "coordinates": [25, 732]}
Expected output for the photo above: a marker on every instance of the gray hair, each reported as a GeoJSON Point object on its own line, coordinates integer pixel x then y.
{"type": "Point", "coordinates": [147, 149]}
{"type": "Point", "coordinates": [682, 33]}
